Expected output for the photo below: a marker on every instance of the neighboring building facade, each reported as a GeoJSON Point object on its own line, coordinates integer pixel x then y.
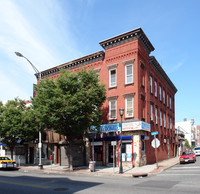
{"type": "Point", "coordinates": [189, 129]}
{"type": "Point", "coordinates": [136, 82]}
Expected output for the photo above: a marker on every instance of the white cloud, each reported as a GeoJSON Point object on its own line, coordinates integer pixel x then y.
{"type": "Point", "coordinates": [40, 31]}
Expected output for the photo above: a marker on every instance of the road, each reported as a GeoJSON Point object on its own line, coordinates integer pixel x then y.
{"type": "Point", "coordinates": [182, 178]}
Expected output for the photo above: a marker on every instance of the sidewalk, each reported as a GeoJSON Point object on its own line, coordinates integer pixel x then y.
{"type": "Point", "coordinates": [106, 171]}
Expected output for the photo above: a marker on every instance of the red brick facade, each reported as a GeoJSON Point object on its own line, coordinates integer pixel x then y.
{"type": "Point", "coordinates": [127, 66]}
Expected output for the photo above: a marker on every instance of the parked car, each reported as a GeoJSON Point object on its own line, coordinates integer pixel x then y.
{"type": "Point", "coordinates": [187, 156]}
{"type": "Point", "coordinates": [197, 151]}
{"type": "Point", "coordinates": [5, 162]}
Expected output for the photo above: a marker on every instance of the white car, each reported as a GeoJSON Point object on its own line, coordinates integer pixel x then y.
{"type": "Point", "coordinates": [197, 151]}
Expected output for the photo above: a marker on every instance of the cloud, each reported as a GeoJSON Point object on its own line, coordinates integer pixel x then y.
{"type": "Point", "coordinates": [41, 31]}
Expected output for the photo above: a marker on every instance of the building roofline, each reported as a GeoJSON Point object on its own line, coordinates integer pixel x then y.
{"type": "Point", "coordinates": [98, 56]}
{"type": "Point", "coordinates": [159, 69]}
{"type": "Point", "coordinates": [127, 37]}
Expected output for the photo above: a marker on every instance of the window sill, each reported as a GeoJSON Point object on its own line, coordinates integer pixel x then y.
{"type": "Point", "coordinates": [113, 87]}
{"type": "Point", "coordinates": [129, 84]}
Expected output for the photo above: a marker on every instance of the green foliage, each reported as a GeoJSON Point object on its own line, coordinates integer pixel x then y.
{"type": "Point", "coordinates": [71, 103]}
{"type": "Point", "coordinates": [16, 123]}
{"type": "Point", "coordinates": [187, 144]}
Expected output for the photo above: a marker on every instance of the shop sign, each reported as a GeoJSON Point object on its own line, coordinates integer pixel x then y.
{"type": "Point", "coordinates": [138, 125]}
{"type": "Point", "coordinates": [109, 128]}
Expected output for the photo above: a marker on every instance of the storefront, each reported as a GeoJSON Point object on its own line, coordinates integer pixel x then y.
{"type": "Point", "coordinates": [106, 144]}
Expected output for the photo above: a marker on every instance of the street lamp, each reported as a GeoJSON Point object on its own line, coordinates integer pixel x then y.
{"type": "Point", "coordinates": [121, 113]}
{"type": "Point", "coordinates": [38, 76]}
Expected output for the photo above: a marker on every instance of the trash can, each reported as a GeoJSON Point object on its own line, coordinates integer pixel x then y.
{"type": "Point", "coordinates": [92, 166]}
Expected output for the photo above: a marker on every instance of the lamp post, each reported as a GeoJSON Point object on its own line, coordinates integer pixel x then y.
{"type": "Point", "coordinates": [121, 113]}
{"type": "Point", "coordinates": [38, 76]}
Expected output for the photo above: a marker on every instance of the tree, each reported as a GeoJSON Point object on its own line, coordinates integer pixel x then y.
{"type": "Point", "coordinates": [70, 104]}
{"type": "Point", "coordinates": [187, 144]}
{"type": "Point", "coordinates": [17, 122]}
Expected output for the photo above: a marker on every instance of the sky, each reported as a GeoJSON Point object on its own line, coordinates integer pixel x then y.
{"type": "Point", "coordinates": [53, 32]}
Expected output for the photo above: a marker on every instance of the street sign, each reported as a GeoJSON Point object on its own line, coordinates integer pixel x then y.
{"type": "Point", "coordinates": [155, 143]}
{"type": "Point", "coordinates": [154, 133]}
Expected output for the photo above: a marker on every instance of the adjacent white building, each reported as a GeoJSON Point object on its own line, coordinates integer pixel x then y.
{"type": "Point", "coordinates": [189, 129]}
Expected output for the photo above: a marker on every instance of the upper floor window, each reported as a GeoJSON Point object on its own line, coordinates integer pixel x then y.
{"type": "Point", "coordinates": [156, 115]}
{"type": "Point", "coordinates": [112, 109]}
{"type": "Point", "coordinates": [112, 78]}
{"type": "Point", "coordinates": [160, 117]}
{"type": "Point", "coordinates": [151, 82]}
{"type": "Point", "coordinates": [167, 100]}
{"type": "Point", "coordinates": [163, 96]}
{"type": "Point", "coordinates": [155, 84]}
{"type": "Point", "coordinates": [129, 74]}
{"type": "Point", "coordinates": [164, 120]}
{"type": "Point", "coordinates": [170, 102]}
{"type": "Point", "coordinates": [129, 107]}
{"type": "Point", "coordinates": [160, 93]}
{"type": "Point", "coordinates": [151, 111]}
{"type": "Point", "coordinates": [170, 123]}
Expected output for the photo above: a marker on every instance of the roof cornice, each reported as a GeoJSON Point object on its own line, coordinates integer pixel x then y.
{"type": "Point", "coordinates": [159, 69]}
{"type": "Point", "coordinates": [127, 37]}
{"type": "Point", "coordinates": [98, 56]}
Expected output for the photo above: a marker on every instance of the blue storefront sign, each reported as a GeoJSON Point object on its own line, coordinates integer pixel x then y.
{"type": "Point", "coordinates": [109, 128]}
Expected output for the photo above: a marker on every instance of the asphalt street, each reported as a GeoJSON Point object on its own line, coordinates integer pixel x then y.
{"type": "Point", "coordinates": [182, 178]}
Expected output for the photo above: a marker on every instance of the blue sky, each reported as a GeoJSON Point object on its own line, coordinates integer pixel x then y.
{"type": "Point", "coordinates": [52, 32]}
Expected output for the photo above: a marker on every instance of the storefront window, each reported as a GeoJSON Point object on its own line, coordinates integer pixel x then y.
{"type": "Point", "coordinates": [126, 152]}
{"type": "Point", "coordinates": [98, 153]}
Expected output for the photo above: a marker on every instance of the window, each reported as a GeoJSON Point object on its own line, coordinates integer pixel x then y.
{"type": "Point", "coordinates": [164, 120]}
{"type": "Point", "coordinates": [167, 100]}
{"type": "Point", "coordinates": [163, 96]}
{"type": "Point", "coordinates": [156, 115]}
{"type": "Point", "coordinates": [129, 74]}
{"type": "Point", "coordinates": [170, 123]}
{"type": "Point", "coordinates": [151, 88]}
{"type": "Point", "coordinates": [151, 110]}
{"type": "Point", "coordinates": [160, 93]}
{"type": "Point", "coordinates": [160, 117]}
{"type": "Point", "coordinates": [112, 109]}
{"type": "Point", "coordinates": [155, 84]}
{"type": "Point", "coordinates": [129, 106]}
{"type": "Point", "coordinates": [170, 102]}
{"type": "Point", "coordinates": [112, 78]}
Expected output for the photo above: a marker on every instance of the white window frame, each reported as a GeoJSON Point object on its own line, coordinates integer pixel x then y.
{"type": "Point", "coordinates": [110, 110]}
{"type": "Point", "coordinates": [156, 92]}
{"type": "Point", "coordinates": [160, 93]}
{"type": "Point", "coordinates": [156, 115]}
{"type": "Point", "coordinates": [167, 100]}
{"type": "Point", "coordinates": [170, 123]}
{"type": "Point", "coordinates": [126, 75]}
{"type": "Point", "coordinates": [151, 84]}
{"type": "Point", "coordinates": [160, 117]}
{"type": "Point", "coordinates": [126, 108]}
{"type": "Point", "coordinates": [111, 85]}
{"type": "Point", "coordinates": [164, 119]}
{"type": "Point", "coordinates": [151, 111]}
{"type": "Point", "coordinates": [163, 96]}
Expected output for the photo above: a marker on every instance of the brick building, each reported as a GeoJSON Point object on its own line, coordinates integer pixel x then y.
{"type": "Point", "coordinates": [136, 82]}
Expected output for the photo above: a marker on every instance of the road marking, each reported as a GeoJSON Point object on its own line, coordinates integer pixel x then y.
{"type": "Point", "coordinates": [22, 184]}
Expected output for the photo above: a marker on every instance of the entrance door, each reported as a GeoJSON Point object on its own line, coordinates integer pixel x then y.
{"type": "Point", "coordinates": [110, 153]}
{"type": "Point", "coordinates": [31, 155]}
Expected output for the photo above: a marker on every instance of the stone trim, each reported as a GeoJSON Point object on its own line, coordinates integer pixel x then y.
{"type": "Point", "coordinates": [98, 56]}
{"type": "Point", "coordinates": [136, 34]}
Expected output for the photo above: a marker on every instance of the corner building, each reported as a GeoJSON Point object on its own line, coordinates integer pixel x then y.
{"type": "Point", "coordinates": [136, 82]}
